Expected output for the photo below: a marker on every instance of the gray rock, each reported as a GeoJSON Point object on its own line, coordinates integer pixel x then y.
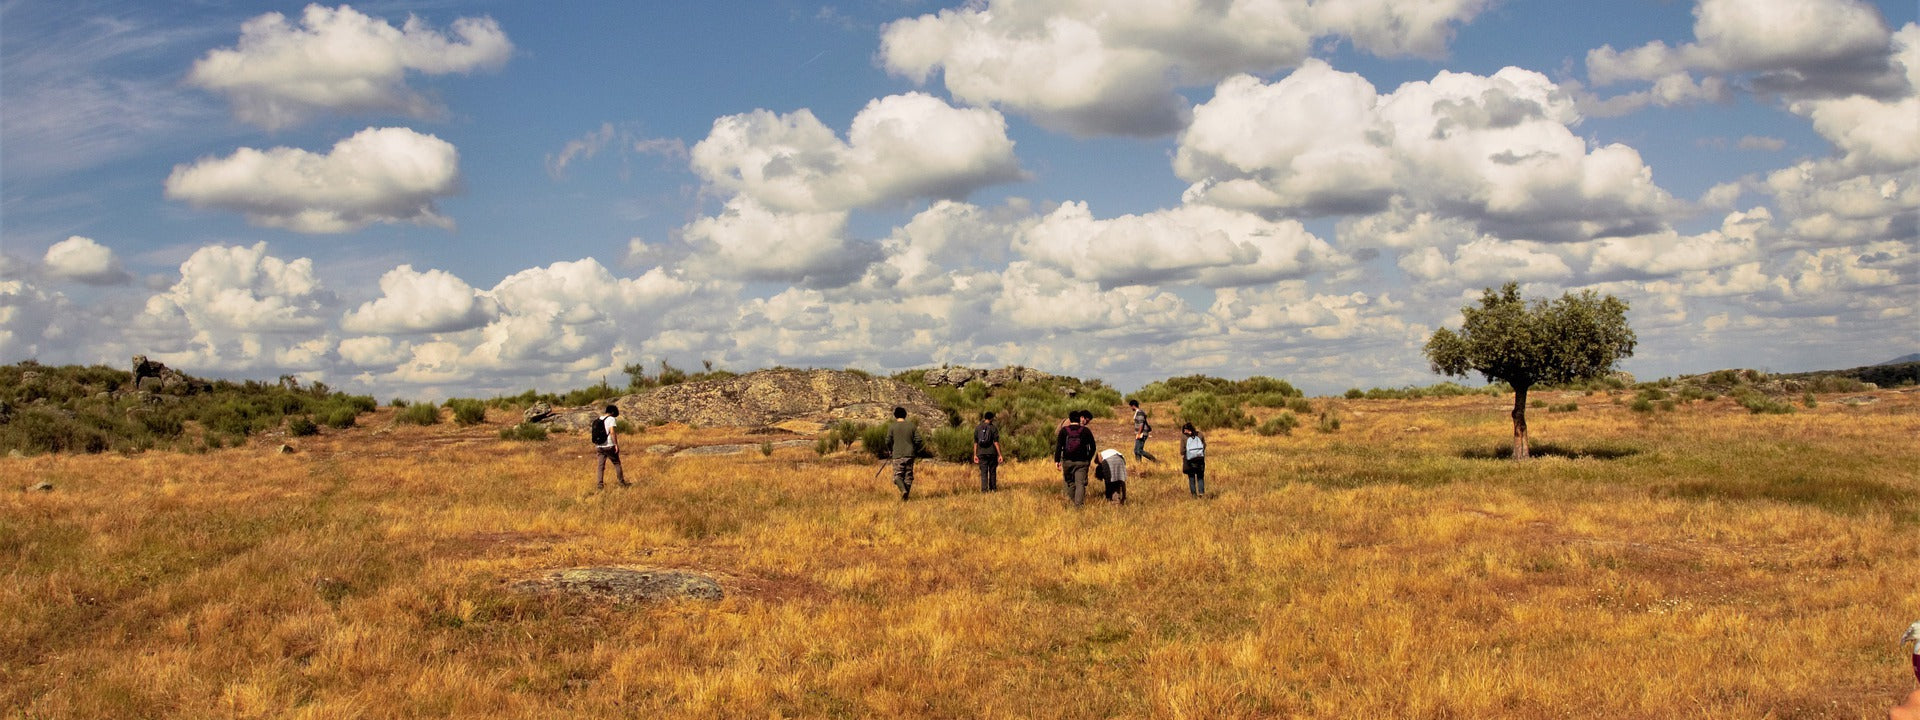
{"type": "Point", "coordinates": [739, 449]}
{"type": "Point", "coordinates": [626, 584]}
{"type": "Point", "coordinates": [286, 449]}
{"type": "Point", "coordinates": [537, 412]}
{"type": "Point", "coordinates": [149, 384]}
{"type": "Point", "coordinates": [765, 398]}
{"type": "Point", "coordinates": [43, 486]}
{"type": "Point", "coordinates": [659, 449]}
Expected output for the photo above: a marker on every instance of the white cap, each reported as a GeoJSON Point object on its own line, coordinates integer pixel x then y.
{"type": "Point", "coordinates": [1108, 453]}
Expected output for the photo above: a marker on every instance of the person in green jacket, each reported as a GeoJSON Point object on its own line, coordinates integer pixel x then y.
{"type": "Point", "coordinates": [903, 437]}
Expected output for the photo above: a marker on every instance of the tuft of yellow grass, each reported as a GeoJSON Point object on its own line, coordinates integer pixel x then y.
{"type": "Point", "coordinates": [1704, 562]}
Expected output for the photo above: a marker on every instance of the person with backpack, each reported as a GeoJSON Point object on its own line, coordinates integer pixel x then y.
{"type": "Point", "coordinates": [903, 438]}
{"type": "Point", "coordinates": [1113, 470]}
{"type": "Point", "coordinates": [986, 452]}
{"type": "Point", "coordinates": [606, 444]}
{"type": "Point", "coordinates": [1141, 429]}
{"type": "Point", "coordinates": [1073, 454]}
{"type": "Point", "coordinates": [1194, 460]}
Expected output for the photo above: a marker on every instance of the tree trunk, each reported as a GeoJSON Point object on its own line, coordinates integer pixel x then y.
{"type": "Point", "coordinates": [1520, 422]}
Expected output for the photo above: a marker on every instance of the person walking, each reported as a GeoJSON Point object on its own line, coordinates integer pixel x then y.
{"type": "Point", "coordinates": [1073, 454]}
{"type": "Point", "coordinates": [606, 444]}
{"type": "Point", "coordinates": [1194, 460]}
{"type": "Point", "coordinates": [1141, 429]}
{"type": "Point", "coordinates": [986, 452]}
{"type": "Point", "coordinates": [903, 437]}
{"type": "Point", "coordinates": [1113, 469]}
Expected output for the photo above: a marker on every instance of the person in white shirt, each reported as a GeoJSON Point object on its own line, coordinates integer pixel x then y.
{"type": "Point", "coordinates": [607, 446]}
{"type": "Point", "coordinates": [1194, 459]}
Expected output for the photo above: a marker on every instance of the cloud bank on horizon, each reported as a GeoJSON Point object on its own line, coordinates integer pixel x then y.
{"type": "Point", "coordinates": [488, 199]}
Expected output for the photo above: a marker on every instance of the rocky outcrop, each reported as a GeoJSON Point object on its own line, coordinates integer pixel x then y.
{"type": "Point", "coordinates": [537, 412]}
{"type": "Point", "coordinates": [626, 585]}
{"type": "Point", "coordinates": [151, 376]}
{"type": "Point", "coordinates": [960, 376]}
{"type": "Point", "coordinates": [765, 398]}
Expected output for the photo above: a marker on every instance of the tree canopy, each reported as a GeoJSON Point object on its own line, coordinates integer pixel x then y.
{"type": "Point", "coordinates": [1574, 337]}
{"type": "Point", "coordinates": [1506, 338]}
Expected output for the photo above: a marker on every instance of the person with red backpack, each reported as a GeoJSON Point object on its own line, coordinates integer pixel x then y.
{"type": "Point", "coordinates": [986, 452]}
{"type": "Point", "coordinates": [1073, 454]}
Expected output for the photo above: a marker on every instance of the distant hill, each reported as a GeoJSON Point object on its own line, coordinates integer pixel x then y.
{"type": "Point", "coordinates": [1884, 375]}
{"type": "Point", "coordinates": [1908, 358]}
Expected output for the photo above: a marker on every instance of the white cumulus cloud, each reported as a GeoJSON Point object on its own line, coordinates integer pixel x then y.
{"type": "Point", "coordinates": [1208, 245]}
{"type": "Point", "coordinates": [379, 175]}
{"type": "Point", "coordinates": [1497, 150]}
{"type": "Point", "coordinates": [414, 302]}
{"type": "Point", "coordinates": [340, 60]}
{"type": "Point", "coordinates": [1099, 67]}
{"type": "Point", "coordinates": [83, 260]}
{"type": "Point", "coordinates": [1797, 47]}
{"type": "Point", "coordinates": [899, 147]}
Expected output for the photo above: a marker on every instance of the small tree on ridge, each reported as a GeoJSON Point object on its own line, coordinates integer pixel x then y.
{"type": "Point", "coordinates": [1576, 337]}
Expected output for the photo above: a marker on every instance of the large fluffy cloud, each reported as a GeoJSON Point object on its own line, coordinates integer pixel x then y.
{"type": "Point", "coordinates": [899, 147]}
{"type": "Point", "coordinates": [750, 242]}
{"type": "Point", "coordinates": [1099, 67]}
{"type": "Point", "coordinates": [1498, 151]}
{"type": "Point", "coordinates": [236, 308]}
{"type": "Point", "coordinates": [339, 60]}
{"type": "Point", "coordinates": [413, 302]}
{"type": "Point", "coordinates": [1797, 47]}
{"type": "Point", "coordinates": [80, 259]}
{"type": "Point", "coordinates": [1208, 245]}
{"type": "Point", "coordinates": [379, 175]}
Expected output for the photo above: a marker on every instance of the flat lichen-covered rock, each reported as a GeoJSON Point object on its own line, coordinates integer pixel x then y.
{"type": "Point", "coordinates": [626, 584]}
{"type": "Point", "coordinates": [769, 397]}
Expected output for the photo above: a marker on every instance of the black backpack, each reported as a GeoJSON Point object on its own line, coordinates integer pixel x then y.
{"type": "Point", "coordinates": [983, 436]}
{"type": "Point", "coordinates": [1076, 442]}
{"type": "Point", "coordinates": [600, 430]}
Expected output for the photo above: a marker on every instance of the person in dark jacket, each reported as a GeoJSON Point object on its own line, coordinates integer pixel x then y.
{"type": "Point", "coordinates": [1073, 455]}
{"type": "Point", "coordinates": [903, 437]}
{"type": "Point", "coordinates": [986, 452]}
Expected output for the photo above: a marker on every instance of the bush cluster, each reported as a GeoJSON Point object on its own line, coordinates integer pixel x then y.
{"type": "Point", "coordinates": [1282, 424]}
{"type": "Point", "coordinates": [1259, 390]}
{"type": "Point", "coordinates": [467, 411]}
{"type": "Point", "coordinates": [1441, 390]}
{"type": "Point", "coordinates": [96, 408]}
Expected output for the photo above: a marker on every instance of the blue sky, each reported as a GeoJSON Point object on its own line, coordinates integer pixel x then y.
{"type": "Point", "coordinates": [427, 199]}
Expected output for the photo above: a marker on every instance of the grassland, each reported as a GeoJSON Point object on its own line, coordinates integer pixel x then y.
{"type": "Point", "coordinates": [1704, 562]}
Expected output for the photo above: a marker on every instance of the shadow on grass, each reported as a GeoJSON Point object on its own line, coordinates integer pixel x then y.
{"type": "Point", "coordinates": [1844, 496]}
{"type": "Point", "coordinates": [1598, 452]}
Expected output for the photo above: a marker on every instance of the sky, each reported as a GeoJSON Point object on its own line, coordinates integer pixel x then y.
{"type": "Point", "coordinates": [467, 198]}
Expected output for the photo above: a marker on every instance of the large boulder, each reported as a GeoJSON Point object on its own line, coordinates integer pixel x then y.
{"type": "Point", "coordinates": [768, 397]}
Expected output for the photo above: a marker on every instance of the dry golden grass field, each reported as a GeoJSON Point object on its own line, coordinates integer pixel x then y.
{"type": "Point", "coordinates": [1697, 563]}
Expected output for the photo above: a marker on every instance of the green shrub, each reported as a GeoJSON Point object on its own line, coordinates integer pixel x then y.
{"type": "Point", "coordinates": [467, 411]}
{"type": "Point", "coordinates": [1641, 405]}
{"type": "Point", "coordinates": [1208, 411]}
{"type": "Point", "coordinates": [952, 444]}
{"type": "Point", "coordinates": [766, 448]}
{"type": "Point", "coordinates": [302, 426]}
{"type": "Point", "coordinates": [398, 403]}
{"type": "Point", "coordinates": [418, 414]}
{"type": "Point", "coordinates": [1355, 393]}
{"type": "Point", "coordinates": [1810, 400]}
{"type": "Point", "coordinates": [1329, 421]}
{"type": "Point", "coordinates": [340, 417]}
{"type": "Point", "coordinates": [1300, 406]}
{"type": "Point", "coordinates": [526, 431]}
{"type": "Point", "coordinates": [1564, 407]}
{"type": "Point", "coordinates": [873, 439]}
{"type": "Point", "coordinates": [1282, 424]}
{"type": "Point", "coordinates": [1758, 404]}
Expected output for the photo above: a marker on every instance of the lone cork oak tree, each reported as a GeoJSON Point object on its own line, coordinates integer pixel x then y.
{"type": "Point", "coordinates": [1506, 338]}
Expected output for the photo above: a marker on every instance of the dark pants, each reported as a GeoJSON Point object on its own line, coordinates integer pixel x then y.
{"type": "Point", "coordinates": [1116, 491]}
{"type": "Point", "coordinates": [608, 454]}
{"type": "Point", "coordinates": [903, 476]}
{"type": "Point", "coordinates": [1140, 450]}
{"type": "Point", "coordinates": [1196, 470]}
{"type": "Point", "coordinates": [989, 473]}
{"type": "Point", "coordinates": [1074, 473]}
